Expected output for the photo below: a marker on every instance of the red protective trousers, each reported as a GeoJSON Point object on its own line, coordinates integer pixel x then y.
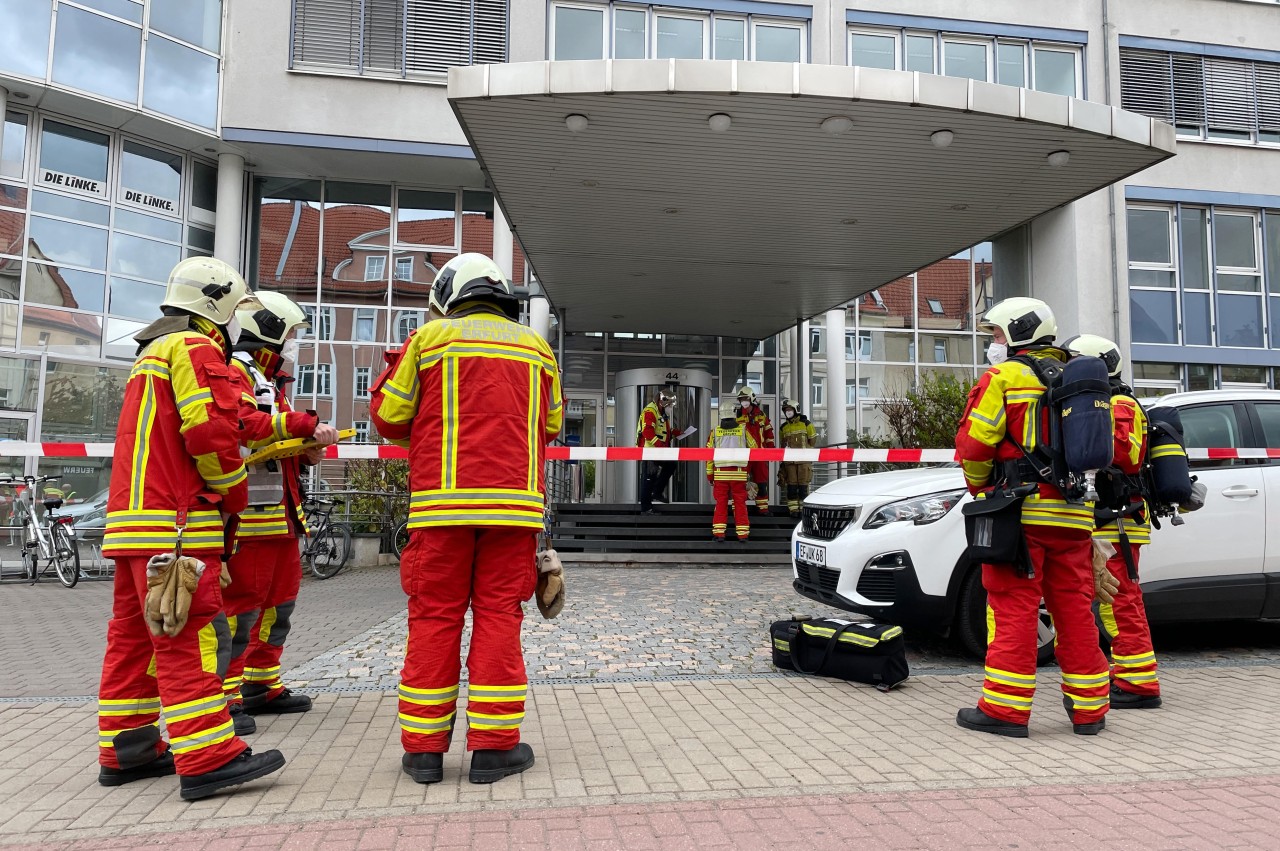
{"type": "Point", "coordinates": [142, 673]}
{"type": "Point", "coordinates": [1062, 558]}
{"type": "Point", "coordinates": [724, 491]}
{"type": "Point", "coordinates": [266, 574]}
{"type": "Point", "coordinates": [1133, 658]}
{"type": "Point", "coordinates": [444, 570]}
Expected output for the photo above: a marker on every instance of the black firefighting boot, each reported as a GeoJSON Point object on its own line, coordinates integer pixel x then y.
{"type": "Point", "coordinates": [245, 767]}
{"type": "Point", "coordinates": [490, 766]}
{"type": "Point", "coordinates": [240, 720]}
{"type": "Point", "coordinates": [161, 766]}
{"type": "Point", "coordinates": [256, 703]}
{"type": "Point", "coordinates": [1121, 699]}
{"type": "Point", "coordinates": [973, 718]}
{"type": "Point", "coordinates": [423, 767]}
{"type": "Point", "coordinates": [1091, 729]}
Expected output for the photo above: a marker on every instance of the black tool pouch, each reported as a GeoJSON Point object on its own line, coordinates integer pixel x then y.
{"type": "Point", "coordinates": [993, 528]}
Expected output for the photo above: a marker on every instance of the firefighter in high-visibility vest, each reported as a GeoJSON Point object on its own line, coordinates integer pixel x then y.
{"type": "Point", "coordinates": [753, 416]}
{"type": "Point", "coordinates": [729, 477]}
{"type": "Point", "coordinates": [1006, 415]}
{"type": "Point", "coordinates": [1127, 527]}
{"type": "Point", "coordinates": [176, 481]}
{"type": "Point", "coordinates": [797, 432]}
{"type": "Point", "coordinates": [655, 429]}
{"type": "Point", "coordinates": [266, 571]}
{"type": "Point", "coordinates": [476, 397]}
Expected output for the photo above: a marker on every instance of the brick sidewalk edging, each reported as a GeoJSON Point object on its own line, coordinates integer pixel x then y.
{"type": "Point", "coordinates": [1239, 812]}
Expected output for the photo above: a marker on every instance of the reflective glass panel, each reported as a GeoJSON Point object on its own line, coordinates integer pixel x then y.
{"type": "Point", "coordinates": [920, 53]}
{"type": "Point", "coordinates": [127, 9]}
{"type": "Point", "coordinates": [1201, 376]}
{"type": "Point", "coordinates": [142, 258]}
{"type": "Point", "coordinates": [196, 21]}
{"type": "Point", "coordinates": [20, 377]}
{"type": "Point", "coordinates": [1153, 316]}
{"type": "Point", "coordinates": [1275, 324]}
{"type": "Point", "coordinates": [148, 225]}
{"type": "Point", "coordinates": [1196, 330]}
{"type": "Point", "coordinates": [777, 44]}
{"type": "Point", "coordinates": [1055, 72]}
{"type": "Point", "coordinates": [119, 342]}
{"type": "Point", "coordinates": [204, 186]}
{"type": "Point", "coordinates": [369, 325]}
{"type": "Point", "coordinates": [67, 242]}
{"type": "Point", "coordinates": [897, 348]}
{"type": "Point", "coordinates": [681, 344]}
{"type": "Point", "coordinates": [1148, 236]}
{"type": "Point", "coordinates": [477, 222]}
{"type": "Point", "coordinates": [579, 33]}
{"type": "Point", "coordinates": [135, 299]}
{"type": "Point", "coordinates": [731, 39]}
{"type": "Point", "coordinates": [63, 287]}
{"type": "Point", "coordinates": [629, 34]}
{"type": "Point", "coordinates": [181, 82]}
{"type": "Point", "coordinates": [200, 238]}
{"type": "Point", "coordinates": [1239, 283]}
{"type": "Point", "coordinates": [1193, 223]}
{"type": "Point", "coordinates": [874, 51]}
{"type": "Point", "coordinates": [425, 217]}
{"type": "Point", "coordinates": [96, 54]}
{"type": "Point", "coordinates": [1150, 278]}
{"type": "Point", "coordinates": [10, 283]}
{"type": "Point", "coordinates": [13, 196]}
{"type": "Point", "coordinates": [13, 151]}
{"type": "Point", "coordinates": [1157, 372]}
{"type": "Point", "coordinates": [151, 178]}
{"type": "Point", "coordinates": [679, 38]}
{"type": "Point", "coordinates": [964, 59]}
{"type": "Point", "coordinates": [61, 332]}
{"type": "Point", "coordinates": [24, 38]}
{"type": "Point", "coordinates": [82, 403]}
{"type": "Point", "coordinates": [73, 150]}
{"type": "Point", "coordinates": [1244, 375]}
{"type": "Point", "coordinates": [624, 341]}
{"type": "Point", "coordinates": [1240, 321]}
{"type": "Point", "coordinates": [70, 208]}
{"type": "Point", "coordinates": [286, 236]}
{"type": "Point", "coordinates": [890, 306]}
{"type": "Point", "coordinates": [1233, 241]}
{"type": "Point", "coordinates": [357, 238]}
{"type": "Point", "coordinates": [13, 231]}
{"type": "Point", "coordinates": [1011, 62]}
{"type": "Point", "coordinates": [946, 348]}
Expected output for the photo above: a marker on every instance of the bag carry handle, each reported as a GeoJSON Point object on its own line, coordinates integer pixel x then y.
{"type": "Point", "coordinates": [826, 653]}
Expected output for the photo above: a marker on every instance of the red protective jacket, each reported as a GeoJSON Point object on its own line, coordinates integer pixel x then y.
{"type": "Point", "coordinates": [260, 428]}
{"type": "Point", "coordinates": [177, 451]}
{"type": "Point", "coordinates": [654, 428]}
{"type": "Point", "coordinates": [758, 426]}
{"type": "Point", "coordinates": [476, 397]}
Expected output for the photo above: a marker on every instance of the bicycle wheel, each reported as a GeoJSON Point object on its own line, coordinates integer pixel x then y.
{"type": "Point", "coordinates": [32, 562]}
{"type": "Point", "coordinates": [66, 556]}
{"type": "Point", "coordinates": [330, 551]}
{"type": "Point", "coordinates": [400, 539]}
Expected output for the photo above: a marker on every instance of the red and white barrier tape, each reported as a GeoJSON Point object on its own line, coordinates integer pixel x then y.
{"type": "Point", "coordinates": [352, 451]}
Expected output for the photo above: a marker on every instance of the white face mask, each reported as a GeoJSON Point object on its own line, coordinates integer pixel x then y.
{"type": "Point", "coordinates": [289, 351]}
{"type": "Point", "coordinates": [997, 353]}
{"type": "Point", "coordinates": [788, 413]}
{"type": "Point", "coordinates": [233, 330]}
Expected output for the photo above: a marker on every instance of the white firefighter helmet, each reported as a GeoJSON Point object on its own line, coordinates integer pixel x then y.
{"type": "Point", "coordinates": [666, 397]}
{"type": "Point", "coordinates": [274, 320]}
{"type": "Point", "coordinates": [208, 287]}
{"type": "Point", "coordinates": [745, 395]}
{"type": "Point", "coordinates": [472, 276]}
{"type": "Point", "coordinates": [792, 404]}
{"type": "Point", "coordinates": [1098, 347]}
{"type": "Point", "coordinates": [1023, 321]}
{"type": "Point", "coordinates": [728, 409]}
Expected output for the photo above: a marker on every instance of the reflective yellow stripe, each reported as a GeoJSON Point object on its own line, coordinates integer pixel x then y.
{"type": "Point", "coordinates": [496, 694]}
{"type": "Point", "coordinates": [426, 726]}
{"type": "Point", "coordinates": [131, 706]}
{"type": "Point", "coordinates": [195, 398]}
{"type": "Point", "coordinates": [1010, 701]}
{"type": "Point", "coordinates": [485, 721]}
{"type": "Point", "coordinates": [449, 421]}
{"type": "Point", "coordinates": [208, 649]}
{"type": "Point", "coordinates": [1144, 677]}
{"type": "Point", "coordinates": [1134, 661]}
{"type": "Point", "coordinates": [194, 708]}
{"type": "Point", "coordinates": [1079, 702]}
{"type": "Point", "coordinates": [264, 631]}
{"type": "Point", "coordinates": [996, 678]}
{"type": "Point", "coordinates": [1028, 680]}
{"type": "Point", "coordinates": [186, 744]}
{"type": "Point", "coordinates": [1086, 680]}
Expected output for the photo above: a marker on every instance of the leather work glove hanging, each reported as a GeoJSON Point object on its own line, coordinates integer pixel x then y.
{"type": "Point", "coordinates": [171, 583]}
{"type": "Point", "coordinates": [550, 593]}
{"type": "Point", "coordinates": [1105, 585]}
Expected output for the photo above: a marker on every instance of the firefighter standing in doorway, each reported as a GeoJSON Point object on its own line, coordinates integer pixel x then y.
{"type": "Point", "coordinates": [476, 396]}
{"type": "Point", "coordinates": [655, 429]}
{"type": "Point", "coordinates": [753, 416]}
{"type": "Point", "coordinates": [797, 432]}
{"type": "Point", "coordinates": [176, 483]}
{"type": "Point", "coordinates": [266, 571]}
{"type": "Point", "coordinates": [1005, 418]}
{"type": "Point", "coordinates": [729, 478]}
{"type": "Point", "coordinates": [1127, 526]}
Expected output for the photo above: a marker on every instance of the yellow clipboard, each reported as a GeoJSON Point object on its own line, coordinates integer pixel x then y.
{"type": "Point", "coordinates": [291, 447]}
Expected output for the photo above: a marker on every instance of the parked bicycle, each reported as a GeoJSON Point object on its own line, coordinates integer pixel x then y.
{"type": "Point", "coordinates": [52, 538]}
{"type": "Point", "coordinates": [400, 538]}
{"type": "Point", "coordinates": [328, 543]}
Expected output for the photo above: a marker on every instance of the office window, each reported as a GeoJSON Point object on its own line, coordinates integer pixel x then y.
{"type": "Point", "coordinates": [964, 59]}
{"type": "Point", "coordinates": [630, 33]}
{"type": "Point", "coordinates": [362, 430]}
{"type": "Point", "coordinates": [96, 54]}
{"type": "Point", "coordinates": [362, 380]}
{"type": "Point", "coordinates": [13, 155]}
{"type": "Point", "coordinates": [730, 38]}
{"type": "Point", "coordinates": [920, 54]}
{"type": "Point", "coordinates": [1238, 279]}
{"type": "Point", "coordinates": [774, 42]}
{"type": "Point", "coordinates": [580, 30]}
{"type": "Point", "coordinates": [375, 268]}
{"type": "Point", "coordinates": [815, 341]}
{"type": "Point", "coordinates": [1055, 71]}
{"type": "Point", "coordinates": [817, 393]}
{"type": "Point", "coordinates": [875, 50]}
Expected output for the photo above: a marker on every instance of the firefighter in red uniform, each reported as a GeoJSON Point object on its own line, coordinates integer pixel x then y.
{"type": "Point", "coordinates": [1007, 409]}
{"type": "Point", "coordinates": [1134, 683]}
{"type": "Point", "coordinates": [476, 397]}
{"type": "Point", "coordinates": [729, 478]}
{"type": "Point", "coordinates": [176, 479]}
{"type": "Point", "coordinates": [655, 429]}
{"type": "Point", "coordinates": [751, 415]}
{"type": "Point", "coordinates": [265, 570]}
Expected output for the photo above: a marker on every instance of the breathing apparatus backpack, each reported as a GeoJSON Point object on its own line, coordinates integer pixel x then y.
{"type": "Point", "coordinates": [1078, 441]}
{"type": "Point", "coordinates": [1166, 477]}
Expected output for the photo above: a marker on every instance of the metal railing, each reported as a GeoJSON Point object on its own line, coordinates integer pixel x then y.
{"type": "Point", "coordinates": [365, 511]}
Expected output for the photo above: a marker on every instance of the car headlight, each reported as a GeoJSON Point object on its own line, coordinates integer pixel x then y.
{"type": "Point", "coordinates": [921, 510]}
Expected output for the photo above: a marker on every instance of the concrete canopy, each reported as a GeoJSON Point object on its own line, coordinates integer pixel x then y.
{"type": "Point", "coordinates": [649, 220]}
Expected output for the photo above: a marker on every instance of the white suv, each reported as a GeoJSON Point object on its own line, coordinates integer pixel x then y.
{"type": "Point", "coordinates": [891, 545]}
